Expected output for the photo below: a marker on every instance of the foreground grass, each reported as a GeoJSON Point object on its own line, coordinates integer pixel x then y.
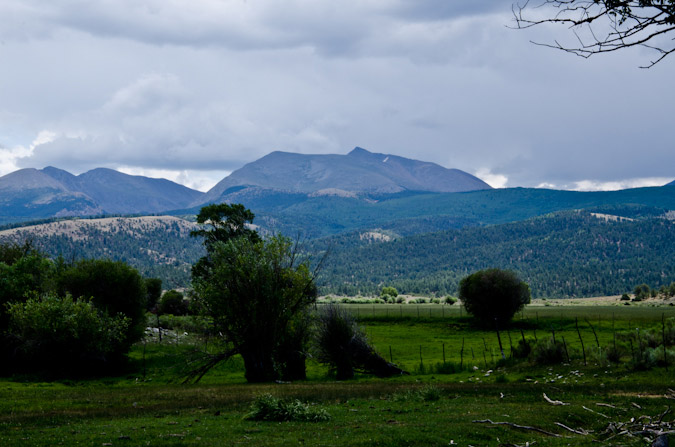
{"type": "Point", "coordinates": [362, 413]}
{"type": "Point", "coordinates": [426, 408]}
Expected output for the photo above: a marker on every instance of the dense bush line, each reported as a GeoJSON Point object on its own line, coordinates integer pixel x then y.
{"type": "Point", "coordinates": [66, 318]}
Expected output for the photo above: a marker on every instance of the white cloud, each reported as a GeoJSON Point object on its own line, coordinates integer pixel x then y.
{"type": "Point", "coordinates": [613, 185]}
{"type": "Point", "coordinates": [492, 179]}
{"type": "Point", "coordinates": [594, 185]}
{"type": "Point", "coordinates": [199, 180]}
{"type": "Point", "coordinates": [10, 158]}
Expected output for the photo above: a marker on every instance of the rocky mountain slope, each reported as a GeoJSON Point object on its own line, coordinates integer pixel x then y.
{"type": "Point", "coordinates": [359, 171]}
{"type": "Point", "coordinates": [50, 192]}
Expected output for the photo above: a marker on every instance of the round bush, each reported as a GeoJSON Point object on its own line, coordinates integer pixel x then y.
{"type": "Point", "coordinates": [173, 303]}
{"type": "Point", "coordinates": [493, 296]}
{"type": "Point", "coordinates": [389, 292]}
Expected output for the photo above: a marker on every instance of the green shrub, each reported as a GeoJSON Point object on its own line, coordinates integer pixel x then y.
{"type": "Point", "coordinates": [389, 292]}
{"type": "Point", "coordinates": [501, 378]}
{"type": "Point", "coordinates": [523, 349]}
{"type": "Point", "coordinates": [548, 352]}
{"type": "Point", "coordinates": [625, 297]}
{"type": "Point", "coordinates": [658, 356]}
{"type": "Point", "coordinates": [342, 344]}
{"type": "Point", "coordinates": [428, 393]}
{"type": "Point", "coordinates": [450, 300]}
{"type": "Point", "coordinates": [269, 408]}
{"type": "Point", "coordinates": [641, 292]}
{"type": "Point", "coordinates": [493, 296]}
{"type": "Point", "coordinates": [20, 277]}
{"type": "Point", "coordinates": [173, 302]}
{"type": "Point", "coordinates": [598, 356]}
{"type": "Point", "coordinates": [64, 335]}
{"type": "Point", "coordinates": [446, 368]}
{"type": "Point", "coordinates": [614, 353]}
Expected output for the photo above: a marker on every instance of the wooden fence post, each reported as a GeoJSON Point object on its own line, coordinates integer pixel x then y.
{"type": "Point", "coordinates": [597, 342]}
{"type": "Point", "coordinates": [583, 350]}
{"type": "Point", "coordinates": [567, 354]}
{"type": "Point", "coordinates": [663, 334]}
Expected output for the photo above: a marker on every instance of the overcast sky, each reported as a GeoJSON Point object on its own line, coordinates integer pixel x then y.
{"type": "Point", "coordinates": [191, 90]}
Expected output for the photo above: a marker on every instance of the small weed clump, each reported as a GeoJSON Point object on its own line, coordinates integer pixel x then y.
{"type": "Point", "coordinates": [523, 349]}
{"type": "Point", "coordinates": [548, 352]}
{"type": "Point", "coordinates": [269, 408]}
{"type": "Point", "coordinates": [501, 378]}
{"type": "Point", "coordinates": [446, 368]}
{"type": "Point", "coordinates": [614, 353]}
{"type": "Point", "coordinates": [429, 393]}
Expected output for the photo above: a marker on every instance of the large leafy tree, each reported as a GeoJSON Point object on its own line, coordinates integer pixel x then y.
{"type": "Point", "coordinates": [603, 26]}
{"type": "Point", "coordinates": [221, 222]}
{"type": "Point", "coordinates": [113, 286]}
{"type": "Point", "coordinates": [493, 296]}
{"type": "Point", "coordinates": [257, 294]}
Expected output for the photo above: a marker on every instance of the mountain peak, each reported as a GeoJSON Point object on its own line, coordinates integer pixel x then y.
{"type": "Point", "coordinates": [359, 171]}
{"type": "Point", "coordinates": [29, 178]}
{"type": "Point", "coordinates": [357, 151]}
{"type": "Point", "coordinates": [33, 193]}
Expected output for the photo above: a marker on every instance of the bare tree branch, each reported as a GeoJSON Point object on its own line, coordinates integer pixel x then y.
{"type": "Point", "coordinates": [611, 24]}
{"type": "Point", "coordinates": [520, 427]}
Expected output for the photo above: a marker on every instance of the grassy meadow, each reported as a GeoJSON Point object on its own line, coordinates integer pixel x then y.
{"type": "Point", "coordinates": [453, 396]}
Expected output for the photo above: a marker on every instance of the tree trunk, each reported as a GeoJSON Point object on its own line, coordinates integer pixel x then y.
{"type": "Point", "coordinates": [344, 371]}
{"type": "Point", "coordinates": [259, 367]}
{"type": "Point", "coordinates": [294, 367]}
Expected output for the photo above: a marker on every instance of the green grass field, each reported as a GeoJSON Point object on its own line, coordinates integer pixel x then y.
{"type": "Point", "coordinates": [149, 406]}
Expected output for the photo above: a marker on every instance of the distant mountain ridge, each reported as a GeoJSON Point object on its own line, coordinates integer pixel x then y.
{"type": "Point", "coordinates": [316, 195]}
{"type": "Point", "coordinates": [51, 192]}
{"type": "Point", "coordinates": [359, 171]}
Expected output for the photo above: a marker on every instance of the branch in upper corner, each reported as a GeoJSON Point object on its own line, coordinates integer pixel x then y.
{"type": "Point", "coordinates": [611, 25]}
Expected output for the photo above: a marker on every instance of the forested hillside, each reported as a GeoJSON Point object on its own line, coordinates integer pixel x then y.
{"type": "Point", "coordinates": [416, 212]}
{"type": "Point", "coordinates": [570, 254]}
{"type": "Point", "coordinates": [156, 246]}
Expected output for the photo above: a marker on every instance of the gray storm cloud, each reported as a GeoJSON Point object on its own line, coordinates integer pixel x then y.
{"type": "Point", "coordinates": [211, 85]}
